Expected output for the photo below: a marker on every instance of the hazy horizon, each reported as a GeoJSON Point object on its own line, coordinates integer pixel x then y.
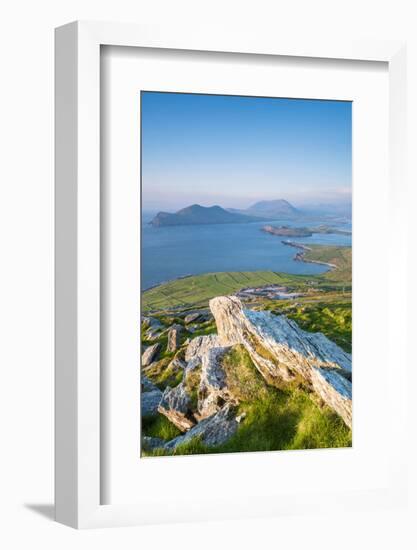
{"type": "Point", "coordinates": [234, 151]}
{"type": "Point", "coordinates": [307, 206]}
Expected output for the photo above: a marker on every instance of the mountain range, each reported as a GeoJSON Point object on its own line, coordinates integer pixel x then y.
{"type": "Point", "coordinates": [202, 215]}
{"type": "Point", "coordinates": [270, 209]}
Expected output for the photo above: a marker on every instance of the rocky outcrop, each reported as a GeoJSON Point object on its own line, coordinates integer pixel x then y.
{"type": "Point", "coordinates": [148, 322]}
{"type": "Point", "coordinates": [177, 364]}
{"type": "Point", "coordinates": [282, 352]}
{"type": "Point", "coordinates": [202, 391]}
{"type": "Point", "coordinates": [151, 443]}
{"type": "Point", "coordinates": [176, 405]}
{"type": "Point", "coordinates": [150, 354]}
{"type": "Point", "coordinates": [212, 431]}
{"type": "Point", "coordinates": [213, 391]}
{"type": "Point", "coordinates": [174, 338]}
{"type": "Point", "coordinates": [200, 345]}
{"type": "Point", "coordinates": [197, 317]}
{"type": "Point", "coordinates": [147, 385]}
{"type": "Point", "coordinates": [150, 402]}
{"type": "Point", "coordinates": [150, 397]}
{"type": "Point", "coordinates": [153, 333]}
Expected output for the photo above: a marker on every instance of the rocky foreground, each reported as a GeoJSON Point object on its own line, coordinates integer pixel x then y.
{"type": "Point", "coordinates": [203, 399]}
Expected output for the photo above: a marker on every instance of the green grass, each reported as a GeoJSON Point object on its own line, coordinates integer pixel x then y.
{"type": "Point", "coordinates": [162, 374]}
{"type": "Point", "coordinates": [196, 291]}
{"type": "Point", "coordinates": [340, 256]}
{"type": "Point", "coordinates": [332, 319]}
{"type": "Point", "coordinates": [159, 426]}
{"type": "Point", "coordinates": [276, 419]}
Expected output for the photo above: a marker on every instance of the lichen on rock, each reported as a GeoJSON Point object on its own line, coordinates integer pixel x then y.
{"type": "Point", "coordinates": [282, 351]}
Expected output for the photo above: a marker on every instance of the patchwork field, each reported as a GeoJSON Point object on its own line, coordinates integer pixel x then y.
{"type": "Point", "coordinates": [197, 290]}
{"type": "Point", "coordinates": [289, 416]}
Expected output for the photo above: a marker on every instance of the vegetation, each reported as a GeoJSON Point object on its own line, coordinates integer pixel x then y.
{"type": "Point", "coordinates": [285, 417]}
{"type": "Point", "coordinates": [340, 256]}
{"type": "Point", "coordinates": [163, 373]}
{"type": "Point", "coordinates": [159, 426]}
{"type": "Point", "coordinates": [274, 419]}
{"type": "Point", "coordinates": [333, 319]}
{"type": "Point", "coordinates": [197, 290]}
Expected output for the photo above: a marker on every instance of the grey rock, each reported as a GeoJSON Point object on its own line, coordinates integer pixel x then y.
{"type": "Point", "coordinates": [152, 443]}
{"type": "Point", "coordinates": [200, 345]}
{"type": "Point", "coordinates": [174, 337]}
{"type": "Point", "coordinates": [212, 431]}
{"type": "Point", "coordinates": [150, 401]}
{"type": "Point", "coordinates": [281, 350]}
{"type": "Point", "coordinates": [153, 333]}
{"type": "Point", "coordinates": [213, 392]}
{"type": "Point", "coordinates": [150, 354]}
{"type": "Point", "coordinates": [147, 385]}
{"type": "Point", "coordinates": [177, 365]}
{"type": "Point", "coordinates": [176, 405]}
{"type": "Point", "coordinates": [148, 322]}
{"type": "Point", "coordinates": [197, 317]}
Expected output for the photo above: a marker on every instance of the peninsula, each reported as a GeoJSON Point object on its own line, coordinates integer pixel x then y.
{"type": "Point", "coordinates": [286, 231]}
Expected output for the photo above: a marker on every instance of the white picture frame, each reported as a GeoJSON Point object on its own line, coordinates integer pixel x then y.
{"type": "Point", "coordinates": [78, 407]}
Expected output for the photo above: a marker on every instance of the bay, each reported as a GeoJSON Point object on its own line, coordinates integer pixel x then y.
{"type": "Point", "coordinates": [171, 252]}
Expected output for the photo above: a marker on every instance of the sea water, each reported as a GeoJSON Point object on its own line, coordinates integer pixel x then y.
{"type": "Point", "coordinates": [171, 252]}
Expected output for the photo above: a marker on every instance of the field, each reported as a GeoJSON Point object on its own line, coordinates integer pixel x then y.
{"type": "Point", "coordinates": [196, 291]}
{"type": "Point", "coordinates": [341, 256]}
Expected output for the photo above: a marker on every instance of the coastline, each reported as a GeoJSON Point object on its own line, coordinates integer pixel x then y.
{"type": "Point", "coordinates": [168, 281]}
{"type": "Point", "coordinates": [300, 256]}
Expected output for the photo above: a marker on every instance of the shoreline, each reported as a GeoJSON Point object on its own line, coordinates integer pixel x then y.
{"type": "Point", "coordinates": [300, 256]}
{"type": "Point", "coordinates": [168, 281]}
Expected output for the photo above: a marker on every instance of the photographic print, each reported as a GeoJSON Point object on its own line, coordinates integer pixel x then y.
{"type": "Point", "coordinates": [246, 274]}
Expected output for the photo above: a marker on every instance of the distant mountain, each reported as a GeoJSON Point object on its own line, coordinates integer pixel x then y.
{"type": "Point", "coordinates": [201, 215]}
{"type": "Point", "coordinates": [279, 208]}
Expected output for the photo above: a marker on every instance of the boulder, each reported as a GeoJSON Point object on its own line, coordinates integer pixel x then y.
{"type": "Point", "coordinates": [200, 345]}
{"type": "Point", "coordinates": [197, 317]}
{"type": "Point", "coordinates": [283, 352]}
{"type": "Point", "coordinates": [150, 354]}
{"type": "Point", "coordinates": [151, 443]}
{"type": "Point", "coordinates": [147, 385]}
{"type": "Point", "coordinates": [153, 333]}
{"type": "Point", "coordinates": [149, 402]}
{"type": "Point", "coordinates": [174, 337]}
{"type": "Point", "coordinates": [176, 405]}
{"type": "Point", "coordinates": [213, 392]}
{"type": "Point", "coordinates": [212, 431]}
{"type": "Point", "coordinates": [148, 322]}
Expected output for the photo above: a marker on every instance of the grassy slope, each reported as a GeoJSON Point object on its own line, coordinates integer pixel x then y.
{"type": "Point", "coordinates": [276, 419]}
{"type": "Point", "coordinates": [197, 290]}
{"type": "Point", "coordinates": [341, 256]}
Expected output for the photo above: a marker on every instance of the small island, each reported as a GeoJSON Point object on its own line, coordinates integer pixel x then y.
{"type": "Point", "coordinates": [286, 231]}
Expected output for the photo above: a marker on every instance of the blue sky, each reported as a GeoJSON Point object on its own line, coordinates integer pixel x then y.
{"type": "Point", "coordinates": [234, 151]}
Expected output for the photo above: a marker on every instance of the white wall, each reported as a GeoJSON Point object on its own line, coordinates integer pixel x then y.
{"type": "Point", "coordinates": [26, 232]}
